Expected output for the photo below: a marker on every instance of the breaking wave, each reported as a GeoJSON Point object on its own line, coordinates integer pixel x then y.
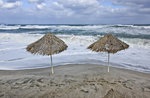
{"type": "Point", "coordinates": [15, 38]}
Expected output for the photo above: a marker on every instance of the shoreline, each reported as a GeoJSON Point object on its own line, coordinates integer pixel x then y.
{"type": "Point", "coordinates": [74, 81]}
{"type": "Point", "coordinates": [48, 67]}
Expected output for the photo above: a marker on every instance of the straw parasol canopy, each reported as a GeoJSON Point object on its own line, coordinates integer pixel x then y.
{"type": "Point", "coordinates": [49, 44]}
{"type": "Point", "coordinates": [109, 44]}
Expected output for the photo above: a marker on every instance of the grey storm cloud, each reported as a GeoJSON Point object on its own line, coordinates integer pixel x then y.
{"type": "Point", "coordinates": [135, 8]}
{"type": "Point", "coordinates": [36, 1]}
{"type": "Point", "coordinates": [143, 3]}
{"type": "Point", "coordinates": [78, 4]}
{"type": "Point", "coordinates": [75, 11]}
{"type": "Point", "coordinates": [80, 7]}
{"type": "Point", "coordinates": [11, 1]}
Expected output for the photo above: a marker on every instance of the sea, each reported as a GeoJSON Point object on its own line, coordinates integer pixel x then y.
{"type": "Point", "coordinates": [14, 39]}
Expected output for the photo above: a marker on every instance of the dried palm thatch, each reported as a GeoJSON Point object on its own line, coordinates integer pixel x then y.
{"type": "Point", "coordinates": [109, 44]}
{"type": "Point", "coordinates": [49, 44]}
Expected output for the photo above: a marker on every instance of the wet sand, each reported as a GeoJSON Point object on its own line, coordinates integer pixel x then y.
{"type": "Point", "coordinates": [74, 81]}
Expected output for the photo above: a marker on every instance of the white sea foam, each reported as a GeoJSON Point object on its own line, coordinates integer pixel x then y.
{"type": "Point", "coordinates": [69, 39]}
{"type": "Point", "coordinates": [36, 27]}
{"type": "Point", "coordinates": [19, 38]}
{"type": "Point", "coordinates": [5, 27]}
{"type": "Point", "coordinates": [14, 55]}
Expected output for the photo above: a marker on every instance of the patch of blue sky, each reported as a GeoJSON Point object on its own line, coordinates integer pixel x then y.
{"type": "Point", "coordinates": [26, 4]}
{"type": "Point", "coordinates": [108, 3]}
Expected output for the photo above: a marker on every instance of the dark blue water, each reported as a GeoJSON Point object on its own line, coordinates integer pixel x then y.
{"type": "Point", "coordinates": [123, 31]}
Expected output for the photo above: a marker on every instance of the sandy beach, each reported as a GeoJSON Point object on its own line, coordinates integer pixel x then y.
{"type": "Point", "coordinates": [74, 81]}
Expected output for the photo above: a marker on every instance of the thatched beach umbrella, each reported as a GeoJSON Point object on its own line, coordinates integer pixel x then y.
{"type": "Point", "coordinates": [109, 44]}
{"type": "Point", "coordinates": [49, 44]}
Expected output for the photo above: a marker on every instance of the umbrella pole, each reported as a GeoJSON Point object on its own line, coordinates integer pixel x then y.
{"type": "Point", "coordinates": [52, 65]}
{"type": "Point", "coordinates": [108, 61]}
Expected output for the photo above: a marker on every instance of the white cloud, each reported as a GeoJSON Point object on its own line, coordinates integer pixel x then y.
{"type": "Point", "coordinates": [57, 6]}
{"type": "Point", "coordinates": [1, 2]}
{"type": "Point", "coordinates": [40, 6]}
{"type": "Point", "coordinates": [11, 5]}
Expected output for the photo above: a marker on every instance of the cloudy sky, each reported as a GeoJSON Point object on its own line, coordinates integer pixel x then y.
{"type": "Point", "coordinates": [75, 11]}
